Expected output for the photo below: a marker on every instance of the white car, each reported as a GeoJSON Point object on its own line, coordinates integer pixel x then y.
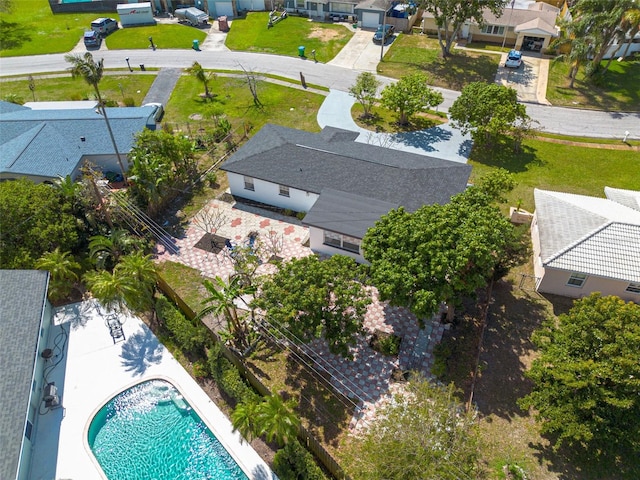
{"type": "Point", "coordinates": [514, 59]}
{"type": "Point", "coordinates": [158, 111]}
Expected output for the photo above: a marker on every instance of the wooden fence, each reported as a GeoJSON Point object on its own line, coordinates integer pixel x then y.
{"type": "Point", "coordinates": [306, 438]}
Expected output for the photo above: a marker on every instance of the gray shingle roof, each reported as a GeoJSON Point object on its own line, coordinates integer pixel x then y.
{"type": "Point", "coordinates": [332, 159]}
{"type": "Point", "coordinates": [22, 299]}
{"type": "Point", "coordinates": [346, 213]}
{"type": "Point", "coordinates": [48, 143]}
{"type": "Point", "coordinates": [591, 235]}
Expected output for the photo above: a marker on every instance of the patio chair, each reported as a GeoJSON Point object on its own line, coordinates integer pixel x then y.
{"type": "Point", "coordinates": [115, 329]}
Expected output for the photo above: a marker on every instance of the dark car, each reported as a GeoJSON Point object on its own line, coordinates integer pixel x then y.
{"type": "Point", "coordinates": [92, 39]}
{"type": "Point", "coordinates": [104, 26]}
{"type": "Point", "coordinates": [380, 37]}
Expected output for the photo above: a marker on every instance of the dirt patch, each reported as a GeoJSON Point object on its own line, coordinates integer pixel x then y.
{"type": "Point", "coordinates": [324, 34]}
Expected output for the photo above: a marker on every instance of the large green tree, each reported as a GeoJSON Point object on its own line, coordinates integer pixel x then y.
{"type": "Point", "coordinates": [314, 298]}
{"type": "Point", "coordinates": [490, 112]}
{"type": "Point", "coordinates": [365, 90]}
{"type": "Point", "coordinates": [587, 378]}
{"type": "Point", "coordinates": [450, 15]}
{"type": "Point", "coordinates": [441, 253]}
{"type": "Point", "coordinates": [423, 435]}
{"type": "Point", "coordinates": [34, 219]}
{"type": "Point", "coordinates": [411, 94]}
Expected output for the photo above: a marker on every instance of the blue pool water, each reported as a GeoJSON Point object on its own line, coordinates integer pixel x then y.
{"type": "Point", "coordinates": [149, 432]}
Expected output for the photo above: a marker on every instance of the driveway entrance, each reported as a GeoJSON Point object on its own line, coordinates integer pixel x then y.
{"type": "Point", "coordinates": [530, 80]}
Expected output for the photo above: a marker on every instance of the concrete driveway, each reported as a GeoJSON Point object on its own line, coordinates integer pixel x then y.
{"type": "Point", "coordinates": [530, 80]}
{"type": "Point", "coordinates": [360, 53]}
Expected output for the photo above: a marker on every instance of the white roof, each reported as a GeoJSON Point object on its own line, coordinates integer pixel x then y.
{"type": "Point", "coordinates": [71, 105]}
{"type": "Point", "coordinates": [596, 236]}
{"type": "Point", "coordinates": [628, 198]}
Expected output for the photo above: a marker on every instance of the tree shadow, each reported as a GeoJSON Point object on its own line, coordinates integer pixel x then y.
{"type": "Point", "coordinates": [559, 303]}
{"type": "Point", "coordinates": [423, 139]}
{"type": "Point", "coordinates": [512, 319]}
{"type": "Point", "coordinates": [13, 35]}
{"type": "Point", "coordinates": [77, 314]}
{"type": "Point", "coordinates": [503, 156]}
{"type": "Point", "coordinates": [259, 472]}
{"type": "Point", "coordinates": [140, 351]}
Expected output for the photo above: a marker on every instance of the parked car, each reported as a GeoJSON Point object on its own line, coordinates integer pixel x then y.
{"type": "Point", "coordinates": [104, 26]}
{"type": "Point", "coordinates": [92, 39]}
{"type": "Point", "coordinates": [158, 111]}
{"type": "Point", "coordinates": [380, 37]}
{"type": "Point", "coordinates": [514, 59]}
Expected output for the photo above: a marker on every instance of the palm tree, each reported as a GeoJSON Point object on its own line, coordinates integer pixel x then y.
{"type": "Point", "coordinates": [276, 420]}
{"type": "Point", "coordinates": [222, 302]}
{"type": "Point", "coordinates": [202, 76]}
{"type": "Point", "coordinates": [63, 271]}
{"type": "Point", "coordinates": [579, 53]}
{"type": "Point", "coordinates": [140, 270]}
{"type": "Point", "coordinates": [91, 71]}
{"type": "Point", "coordinates": [630, 24]}
{"type": "Point", "coordinates": [243, 419]}
{"type": "Point", "coordinates": [107, 250]}
{"type": "Point", "coordinates": [112, 290]}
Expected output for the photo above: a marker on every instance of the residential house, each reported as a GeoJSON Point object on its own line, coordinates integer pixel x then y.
{"type": "Point", "coordinates": [44, 144]}
{"type": "Point", "coordinates": [531, 28]}
{"type": "Point", "coordinates": [342, 185]}
{"type": "Point", "coordinates": [25, 318]}
{"type": "Point", "coordinates": [586, 244]}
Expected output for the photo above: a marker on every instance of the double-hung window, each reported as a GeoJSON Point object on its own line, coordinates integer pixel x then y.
{"type": "Point", "coordinates": [344, 242]}
{"type": "Point", "coordinates": [577, 280]}
{"type": "Point", "coordinates": [493, 29]}
{"type": "Point", "coordinates": [248, 184]}
{"type": "Point", "coordinates": [284, 191]}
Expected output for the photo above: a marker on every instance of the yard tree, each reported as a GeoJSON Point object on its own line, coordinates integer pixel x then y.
{"type": "Point", "coordinates": [579, 44]}
{"type": "Point", "coordinates": [63, 271]}
{"type": "Point", "coordinates": [141, 270]}
{"type": "Point", "coordinates": [411, 94]}
{"type": "Point", "coordinates": [202, 76]}
{"type": "Point", "coordinates": [107, 250]}
{"type": "Point", "coordinates": [490, 112]}
{"type": "Point", "coordinates": [423, 434]}
{"type": "Point", "coordinates": [587, 378]}
{"type": "Point", "coordinates": [365, 90]}
{"type": "Point", "coordinates": [34, 219]}
{"type": "Point", "coordinates": [450, 15]}
{"type": "Point", "coordinates": [441, 253]}
{"type": "Point", "coordinates": [311, 298]}
{"type": "Point", "coordinates": [271, 417]}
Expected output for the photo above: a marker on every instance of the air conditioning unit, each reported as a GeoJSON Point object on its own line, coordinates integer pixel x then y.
{"type": "Point", "coordinates": [51, 398]}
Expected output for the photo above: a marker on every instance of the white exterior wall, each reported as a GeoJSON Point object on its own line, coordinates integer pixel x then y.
{"type": "Point", "coordinates": [538, 269]}
{"type": "Point", "coordinates": [316, 243]}
{"type": "Point", "coordinates": [269, 193]}
{"type": "Point", "coordinates": [253, 5]}
{"type": "Point", "coordinates": [555, 281]}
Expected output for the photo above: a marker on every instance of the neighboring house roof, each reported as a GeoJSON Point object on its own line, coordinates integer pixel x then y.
{"type": "Point", "coordinates": [346, 213]}
{"type": "Point", "coordinates": [628, 198]}
{"type": "Point", "coordinates": [516, 17]}
{"type": "Point", "coordinates": [373, 5]}
{"type": "Point", "coordinates": [591, 235]}
{"type": "Point", "coordinates": [51, 143]}
{"type": "Point", "coordinates": [332, 159]}
{"type": "Point", "coordinates": [23, 295]}
{"type": "Point", "coordinates": [536, 26]}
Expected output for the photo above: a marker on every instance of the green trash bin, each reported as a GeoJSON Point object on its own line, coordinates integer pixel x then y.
{"type": "Point", "coordinates": [301, 51]}
{"type": "Point", "coordinates": [196, 45]}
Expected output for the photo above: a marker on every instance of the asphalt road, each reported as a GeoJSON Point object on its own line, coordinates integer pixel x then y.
{"type": "Point", "coordinates": [561, 120]}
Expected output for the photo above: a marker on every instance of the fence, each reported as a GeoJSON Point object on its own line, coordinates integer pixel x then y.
{"type": "Point", "coordinates": [306, 438]}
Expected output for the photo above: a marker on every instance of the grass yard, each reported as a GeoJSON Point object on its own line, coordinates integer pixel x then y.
{"type": "Point", "coordinates": [567, 168]}
{"type": "Point", "coordinates": [419, 53]}
{"type": "Point", "coordinates": [164, 36]}
{"type": "Point", "coordinates": [384, 120]}
{"type": "Point", "coordinates": [37, 30]}
{"type": "Point", "coordinates": [618, 91]}
{"type": "Point", "coordinates": [252, 35]}
{"type": "Point", "coordinates": [112, 87]}
{"type": "Point", "coordinates": [281, 105]}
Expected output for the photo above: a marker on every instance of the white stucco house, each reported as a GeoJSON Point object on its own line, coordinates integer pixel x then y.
{"type": "Point", "coordinates": [585, 244]}
{"type": "Point", "coordinates": [343, 186]}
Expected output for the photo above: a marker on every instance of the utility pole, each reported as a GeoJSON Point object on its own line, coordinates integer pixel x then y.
{"type": "Point", "coordinates": [506, 27]}
{"type": "Point", "coordinates": [384, 37]}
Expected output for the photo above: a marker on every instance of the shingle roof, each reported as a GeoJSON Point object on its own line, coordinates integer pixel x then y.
{"type": "Point", "coordinates": [48, 143]}
{"type": "Point", "coordinates": [536, 24]}
{"type": "Point", "coordinates": [346, 213]}
{"type": "Point", "coordinates": [628, 198]}
{"type": "Point", "coordinates": [591, 235]}
{"type": "Point", "coordinates": [332, 159]}
{"type": "Point", "coordinates": [22, 298]}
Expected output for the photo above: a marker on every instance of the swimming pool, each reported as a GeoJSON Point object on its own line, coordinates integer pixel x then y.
{"type": "Point", "coordinates": [150, 432]}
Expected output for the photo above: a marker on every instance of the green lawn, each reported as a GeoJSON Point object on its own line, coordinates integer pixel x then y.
{"type": "Point", "coordinates": [251, 34]}
{"type": "Point", "coordinates": [281, 105]}
{"type": "Point", "coordinates": [112, 87]}
{"type": "Point", "coordinates": [419, 53]}
{"type": "Point", "coordinates": [384, 120]}
{"type": "Point", "coordinates": [164, 36]}
{"type": "Point", "coordinates": [566, 168]}
{"type": "Point", "coordinates": [618, 91]}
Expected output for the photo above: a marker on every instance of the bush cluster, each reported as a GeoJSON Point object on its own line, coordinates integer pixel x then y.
{"type": "Point", "coordinates": [190, 337]}
{"type": "Point", "coordinates": [294, 462]}
{"type": "Point", "coordinates": [228, 377]}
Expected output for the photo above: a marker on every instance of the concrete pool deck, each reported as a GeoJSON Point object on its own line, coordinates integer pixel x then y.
{"type": "Point", "coordinates": [89, 369]}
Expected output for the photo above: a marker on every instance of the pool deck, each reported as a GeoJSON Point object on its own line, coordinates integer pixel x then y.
{"type": "Point", "coordinates": [89, 370]}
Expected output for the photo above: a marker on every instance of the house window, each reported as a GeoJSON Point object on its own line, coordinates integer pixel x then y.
{"type": "Point", "coordinates": [577, 280]}
{"type": "Point", "coordinates": [300, 3]}
{"type": "Point", "coordinates": [344, 242]}
{"type": "Point", "coordinates": [493, 30]}
{"type": "Point", "coordinates": [248, 184]}
{"type": "Point", "coordinates": [633, 287]}
{"type": "Point", "coordinates": [341, 7]}
{"type": "Point", "coordinates": [28, 430]}
{"type": "Point", "coordinates": [284, 191]}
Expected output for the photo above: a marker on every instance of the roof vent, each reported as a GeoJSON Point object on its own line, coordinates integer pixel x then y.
{"type": "Point", "coordinates": [82, 139]}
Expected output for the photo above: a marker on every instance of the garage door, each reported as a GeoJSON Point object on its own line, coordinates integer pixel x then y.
{"type": "Point", "coordinates": [224, 8]}
{"type": "Point", "coordinates": [370, 20]}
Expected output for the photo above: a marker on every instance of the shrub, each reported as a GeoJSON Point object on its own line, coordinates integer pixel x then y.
{"type": "Point", "coordinates": [189, 337]}
{"type": "Point", "coordinates": [13, 98]}
{"type": "Point", "coordinates": [294, 462]}
{"type": "Point", "coordinates": [228, 378]}
{"type": "Point", "coordinates": [129, 102]}
{"type": "Point", "coordinates": [200, 369]}
{"type": "Point", "coordinates": [212, 178]}
{"type": "Point", "coordinates": [441, 354]}
{"type": "Point", "coordinates": [301, 215]}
